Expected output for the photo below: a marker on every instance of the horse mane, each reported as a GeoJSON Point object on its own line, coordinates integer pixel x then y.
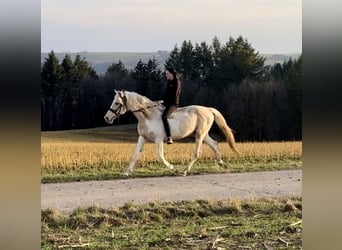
{"type": "Point", "coordinates": [137, 100]}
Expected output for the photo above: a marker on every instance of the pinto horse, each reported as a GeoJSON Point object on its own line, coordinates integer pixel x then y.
{"type": "Point", "coordinates": [186, 121]}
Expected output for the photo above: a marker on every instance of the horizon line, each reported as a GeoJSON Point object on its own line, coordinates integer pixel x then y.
{"type": "Point", "coordinates": [86, 51]}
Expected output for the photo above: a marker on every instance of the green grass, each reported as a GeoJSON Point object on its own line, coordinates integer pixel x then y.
{"type": "Point", "coordinates": [202, 224]}
{"type": "Point", "coordinates": [114, 171]}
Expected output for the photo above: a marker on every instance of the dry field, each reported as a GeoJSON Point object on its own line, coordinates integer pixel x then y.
{"type": "Point", "coordinates": [104, 153]}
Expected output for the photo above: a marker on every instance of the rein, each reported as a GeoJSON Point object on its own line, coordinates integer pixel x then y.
{"type": "Point", "coordinates": [142, 109]}
{"type": "Point", "coordinates": [124, 98]}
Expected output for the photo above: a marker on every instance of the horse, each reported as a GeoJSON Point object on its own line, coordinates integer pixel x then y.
{"type": "Point", "coordinates": [186, 121]}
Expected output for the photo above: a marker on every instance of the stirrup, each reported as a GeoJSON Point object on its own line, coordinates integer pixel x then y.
{"type": "Point", "coordinates": [169, 140]}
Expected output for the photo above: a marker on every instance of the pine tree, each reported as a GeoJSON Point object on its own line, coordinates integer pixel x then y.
{"type": "Point", "coordinates": [244, 61]}
{"type": "Point", "coordinates": [174, 60]}
{"type": "Point", "coordinates": [154, 79]}
{"type": "Point", "coordinates": [203, 63]}
{"type": "Point", "coordinates": [118, 77]}
{"type": "Point", "coordinates": [67, 67]}
{"type": "Point", "coordinates": [117, 69]}
{"type": "Point", "coordinates": [216, 50]}
{"type": "Point", "coordinates": [148, 78]}
{"type": "Point", "coordinates": [141, 77]}
{"type": "Point", "coordinates": [293, 84]}
{"type": "Point", "coordinates": [187, 60]}
{"type": "Point", "coordinates": [82, 70]}
{"type": "Point", "coordinates": [276, 72]}
{"type": "Point", "coordinates": [51, 76]}
{"type": "Point", "coordinates": [65, 97]}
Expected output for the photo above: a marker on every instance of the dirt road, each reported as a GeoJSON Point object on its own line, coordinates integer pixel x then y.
{"type": "Point", "coordinates": [68, 196]}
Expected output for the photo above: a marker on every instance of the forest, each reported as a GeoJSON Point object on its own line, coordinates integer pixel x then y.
{"type": "Point", "coordinates": [260, 102]}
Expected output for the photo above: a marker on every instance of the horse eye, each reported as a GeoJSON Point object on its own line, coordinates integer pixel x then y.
{"type": "Point", "coordinates": [117, 103]}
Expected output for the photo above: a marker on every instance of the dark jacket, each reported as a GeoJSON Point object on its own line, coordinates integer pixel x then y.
{"type": "Point", "coordinates": [172, 92]}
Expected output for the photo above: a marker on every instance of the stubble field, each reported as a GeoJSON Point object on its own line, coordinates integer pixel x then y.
{"type": "Point", "coordinates": [104, 153]}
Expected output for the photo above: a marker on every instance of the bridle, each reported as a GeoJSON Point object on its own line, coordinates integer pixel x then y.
{"type": "Point", "coordinates": [118, 109]}
{"type": "Point", "coordinates": [124, 99]}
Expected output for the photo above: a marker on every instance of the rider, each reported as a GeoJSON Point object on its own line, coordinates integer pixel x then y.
{"type": "Point", "coordinates": [170, 99]}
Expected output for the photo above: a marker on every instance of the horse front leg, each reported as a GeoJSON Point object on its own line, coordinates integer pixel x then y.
{"type": "Point", "coordinates": [138, 149]}
{"type": "Point", "coordinates": [160, 153]}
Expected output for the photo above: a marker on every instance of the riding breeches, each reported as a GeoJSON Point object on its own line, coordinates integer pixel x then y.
{"type": "Point", "coordinates": [167, 112]}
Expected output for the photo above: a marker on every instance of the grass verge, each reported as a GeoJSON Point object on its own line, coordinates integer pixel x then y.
{"type": "Point", "coordinates": [202, 224]}
{"type": "Point", "coordinates": [155, 169]}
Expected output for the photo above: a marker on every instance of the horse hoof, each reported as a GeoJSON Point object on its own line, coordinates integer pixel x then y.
{"type": "Point", "coordinates": [220, 163]}
{"type": "Point", "coordinates": [185, 173]}
{"type": "Point", "coordinates": [125, 174]}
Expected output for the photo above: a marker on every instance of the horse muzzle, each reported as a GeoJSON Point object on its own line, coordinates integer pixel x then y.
{"type": "Point", "coordinates": [109, 117]}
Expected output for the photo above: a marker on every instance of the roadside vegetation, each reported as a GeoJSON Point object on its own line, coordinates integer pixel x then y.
{"type": "Point", "coordinates": [201, 224]}
{"type": "Point", "coordinates": [104, 153]}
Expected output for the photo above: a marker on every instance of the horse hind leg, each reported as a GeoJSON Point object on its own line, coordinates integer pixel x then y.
{"type": "Point", "coordinates": [214, 146]}
{"type": "Point", "coordinates": [198, 146]}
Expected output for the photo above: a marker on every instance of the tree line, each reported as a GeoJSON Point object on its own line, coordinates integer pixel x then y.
{"type": "Point", "coordinates": [259, 102]}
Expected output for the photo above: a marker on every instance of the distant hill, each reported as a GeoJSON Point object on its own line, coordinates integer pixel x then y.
{"type": "Point", "coordinates": [279, 58]}
{"type": "Point", "coordinates": [100, 61]}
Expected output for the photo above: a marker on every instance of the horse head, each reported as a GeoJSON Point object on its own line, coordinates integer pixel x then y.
{"type": "Point", "coordinates": [118, 107]}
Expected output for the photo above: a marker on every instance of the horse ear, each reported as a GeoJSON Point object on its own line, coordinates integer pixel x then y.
{"type": "Point", "coordinates": [124, 96]}
{"type": "Point", "coordinates": [115, 91]}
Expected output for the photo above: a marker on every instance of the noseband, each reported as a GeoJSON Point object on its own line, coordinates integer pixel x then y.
{"type": "Point", "coordinates": [117, 111]}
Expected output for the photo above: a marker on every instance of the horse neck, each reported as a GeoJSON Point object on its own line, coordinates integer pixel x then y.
{"type": "Point", "coordinates": [137, 102]}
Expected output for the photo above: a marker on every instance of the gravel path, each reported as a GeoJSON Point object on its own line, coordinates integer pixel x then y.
{"type": "Point", "coordinates": [68, 196]}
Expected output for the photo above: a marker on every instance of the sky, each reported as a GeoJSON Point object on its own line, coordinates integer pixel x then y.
{"type": "Point", "coordinates": [270, 26]}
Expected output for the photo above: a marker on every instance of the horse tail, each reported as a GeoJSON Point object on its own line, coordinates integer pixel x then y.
{"type": "Point", "coordinates": [228, 132]}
